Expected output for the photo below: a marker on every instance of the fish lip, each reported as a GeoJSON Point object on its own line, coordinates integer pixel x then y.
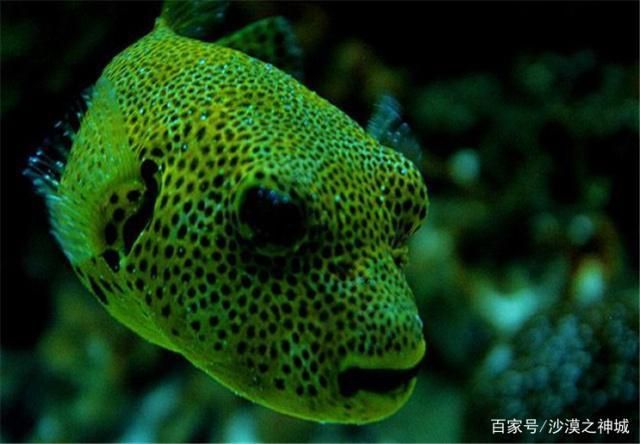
{"type": "Point", "coordinates": [375, 380]}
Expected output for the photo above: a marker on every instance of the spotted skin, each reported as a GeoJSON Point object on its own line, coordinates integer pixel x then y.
{"type": "Point", "coordinates": [177, 133]}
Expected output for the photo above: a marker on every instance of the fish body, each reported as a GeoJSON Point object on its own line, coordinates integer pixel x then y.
{"type": "Point", "coordinates": [220, 209]}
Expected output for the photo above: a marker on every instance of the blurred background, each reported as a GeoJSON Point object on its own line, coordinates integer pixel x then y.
{"type": "Point", "coordinates": [526, 272]}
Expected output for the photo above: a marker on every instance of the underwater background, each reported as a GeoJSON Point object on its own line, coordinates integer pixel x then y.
{"type": "Point", "coordinates": [525, 273]}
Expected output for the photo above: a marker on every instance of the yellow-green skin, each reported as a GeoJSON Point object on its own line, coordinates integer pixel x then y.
{"type": "Point", "coordinates": [274, 325]}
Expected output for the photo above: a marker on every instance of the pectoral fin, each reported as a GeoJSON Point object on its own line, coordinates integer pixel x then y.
{"type": "Point", "coordinates": [386, 126]}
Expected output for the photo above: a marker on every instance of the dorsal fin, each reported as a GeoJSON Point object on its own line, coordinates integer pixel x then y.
{"type": "Point", "coordinates": [388, 128]}
{"type": "Point", "coordinates": [193, 18]}
{"type": "Point", "coordinates": [271, 40]}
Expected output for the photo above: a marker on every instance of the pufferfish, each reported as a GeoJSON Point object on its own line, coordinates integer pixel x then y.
{"type": "Point", "coordinates": [220, 209]}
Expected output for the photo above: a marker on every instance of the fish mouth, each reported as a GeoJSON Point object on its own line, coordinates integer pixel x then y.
{"type": "Point", "coordinates": [377, 380]}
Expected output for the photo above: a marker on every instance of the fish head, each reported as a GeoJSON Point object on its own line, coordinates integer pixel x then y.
{"type": "Point", "coordinates": [323, 233]}
{"type": "Point", "coordinates": [300, 221]}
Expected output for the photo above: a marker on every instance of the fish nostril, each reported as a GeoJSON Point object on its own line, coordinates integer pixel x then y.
{"type": "Point", "coordinates": [341, 267]}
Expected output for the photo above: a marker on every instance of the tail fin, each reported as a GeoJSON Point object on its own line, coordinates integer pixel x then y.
{"type": "Point", "coordinates": [193, 18]}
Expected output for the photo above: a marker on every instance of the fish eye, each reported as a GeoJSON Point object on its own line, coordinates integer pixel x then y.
{"type": "Point", "coordinates": [272, 220]}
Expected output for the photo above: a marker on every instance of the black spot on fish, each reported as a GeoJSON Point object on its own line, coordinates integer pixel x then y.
{"type": "Point", "coordinates": [110, 234]}
{"type": "Point", "coordinates": [98, 292]}
{"type": "Point", "coordinates": [139, 221]}
{"type": "Point", "coordinates": [113, 259]}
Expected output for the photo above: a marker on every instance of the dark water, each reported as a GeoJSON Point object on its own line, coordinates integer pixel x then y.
{"type": "Point", "coordinates": [525, 273]}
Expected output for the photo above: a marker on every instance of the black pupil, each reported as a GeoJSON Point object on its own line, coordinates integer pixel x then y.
{"type": "Point", "coordinates": [272, 216]}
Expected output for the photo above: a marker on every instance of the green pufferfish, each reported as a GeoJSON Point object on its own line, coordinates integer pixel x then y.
{"type": "Point", "coordinates": [220, 209]}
